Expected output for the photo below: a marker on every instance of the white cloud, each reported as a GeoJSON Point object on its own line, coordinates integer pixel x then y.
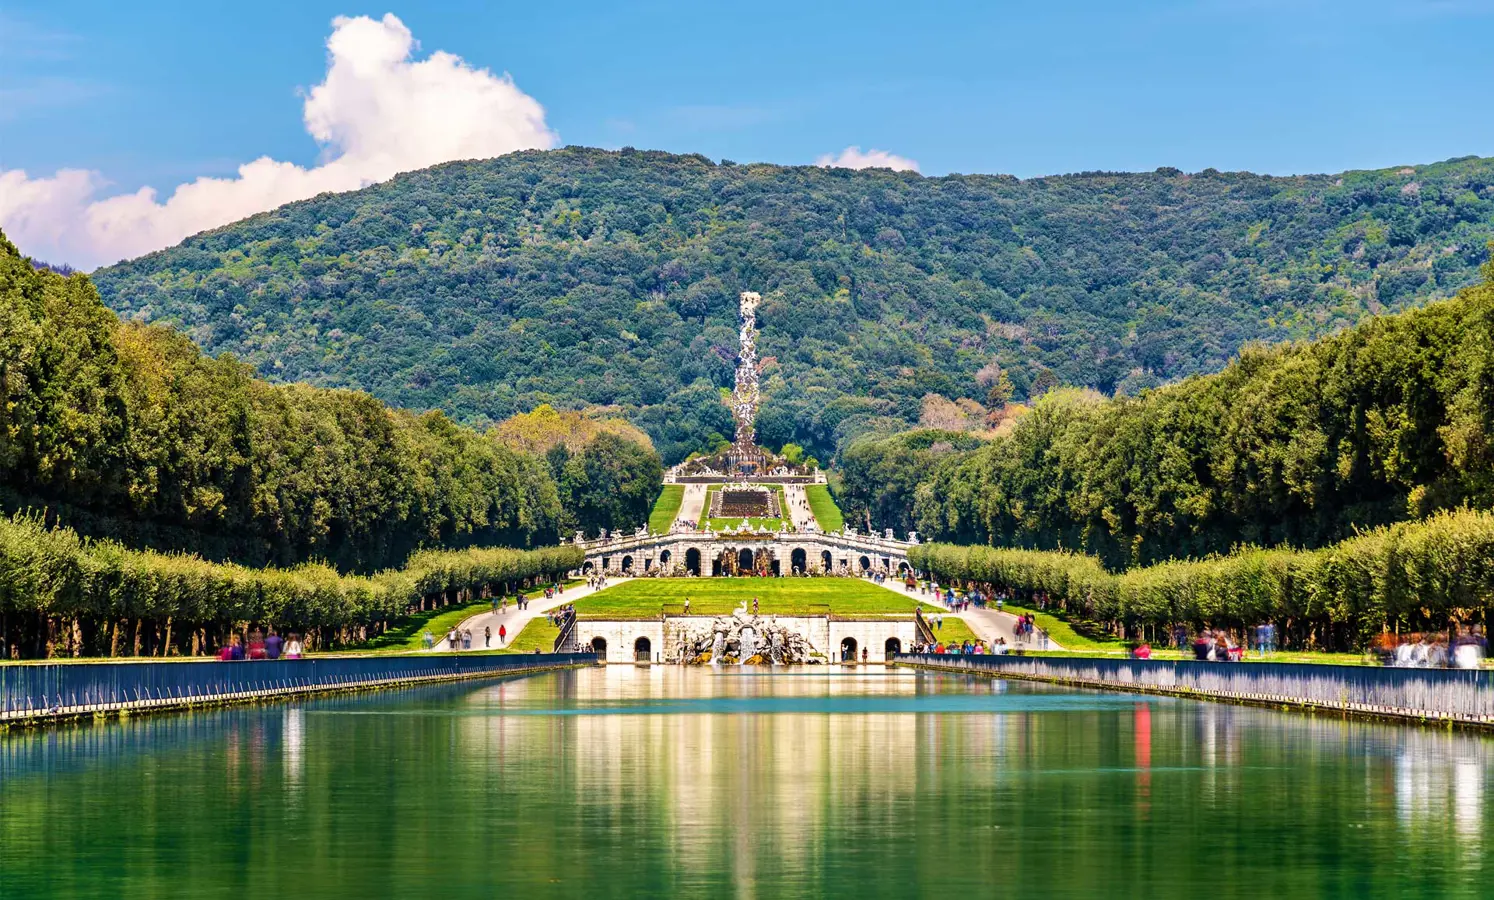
{"type": "Point", "coordinates": [854, 158]}
{"type": "Point", "coordinates": [377, 113]}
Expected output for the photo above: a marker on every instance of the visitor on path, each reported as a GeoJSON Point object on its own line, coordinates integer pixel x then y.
{"type": "Point", "coordinates": [754, 606]}
{"type": "Point", "coordinates": [487, 635]}
{"type": "Point", "coordinates": [429, 640]}
{"type": "Point", "coordinates": [467, 639]}
{"type": "Point", "coordinates": [232, 651]}
{"type": "Point", "coordinates": [687, 606]}
{"type": "Point", "coordinates": [256, 644]}
{"type": "Point", "coordinates": [502, 634]}
{"type": "Point", "coordinates": [452, 639]}
{"type": "Point", "coordinates": [293, 648]}
{"type": "Point", "coordinates": [864, 654]}
{"type": "Point", "coordinates": [939, 621]}
{"type": "Point", "coordinates": [273, 645]}
{"type": "Point", "coordinates": [495, 603]}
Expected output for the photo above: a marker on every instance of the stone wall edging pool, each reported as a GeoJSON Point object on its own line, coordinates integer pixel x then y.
{"type": "Point", "coordinates": [55, 693]}
{"type": "Point", "coordinates": [1463, 698]}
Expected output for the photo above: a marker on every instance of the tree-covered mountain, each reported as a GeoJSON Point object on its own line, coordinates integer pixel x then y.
{"type": "Point", "coordinates": [581, 277]}
{"type": "Point", "coordinates": [1301, 444]}
{"type": "Point", "coordinates": [127, 431]}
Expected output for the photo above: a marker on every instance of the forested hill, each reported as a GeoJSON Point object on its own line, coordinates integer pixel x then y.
{"type": "Point", "coordinates": [129, 432]}
{"type": "Point", "coordinates": [583, 277]}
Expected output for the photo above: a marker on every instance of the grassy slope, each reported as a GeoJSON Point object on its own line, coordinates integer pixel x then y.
{"type": "Point", "coordinates": [1064, 634]}
{"type": "Point", "coordinates": [646, 597]}
{"type": "Point", "coordinates": [954, 630]}
{"type": "Point", "coordinates": [666, 507]}
{"type": "Point", "coordinates": [540, 632]}
{"type": "Point", "coordinates": [824, 508]}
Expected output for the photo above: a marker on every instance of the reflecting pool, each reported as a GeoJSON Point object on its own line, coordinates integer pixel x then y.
{"type": "Point", "coordinates": [666, 782]}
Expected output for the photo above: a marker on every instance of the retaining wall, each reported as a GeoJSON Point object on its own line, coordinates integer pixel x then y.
{"type": "Point", "coordinates": [40, 693]}
{"type": "Point", "coordinates": [1447, 695]}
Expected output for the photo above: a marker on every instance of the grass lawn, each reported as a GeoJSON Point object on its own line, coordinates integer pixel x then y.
{"type": "Point", "coordinates": [954, 630]}
{"type": "Point", "coordinates": [646, 598]}
{"type": "Point", "coordinates": [1064, 635]}
{"type": "Point", "coordinates": [823, 506]}
{"type": "Point", "coordinates": [666, 508]}
{"type": "Point", "coordinates": [768, 524]}
{"type": "Point", "coordinates": [538, 633]}
{"type": "Point", "coordinates": [407, 634]}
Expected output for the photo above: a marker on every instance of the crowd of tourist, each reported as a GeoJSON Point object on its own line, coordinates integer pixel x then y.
{"type": "Point", "coordinates": [1462, 648]}
{"type": "Point", "coordinates": [999, 647]}
{"type": "Point", "coordinates": [259, 645]}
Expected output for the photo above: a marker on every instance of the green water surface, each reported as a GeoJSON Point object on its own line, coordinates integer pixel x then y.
{"type": "Point", "coordinates": [661, 782]}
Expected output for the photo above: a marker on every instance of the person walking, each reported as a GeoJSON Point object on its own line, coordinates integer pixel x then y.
{"type": "Point", "coordinates": [487, 635]}
{"type": "Point", "coordinates": [294, 648]}
{"type": "Point", "coordinates": [273, 645]}
{"type": "Point", "coordinates": [502, 634]}
{"type": "Point", "coordinates": [687, 606]}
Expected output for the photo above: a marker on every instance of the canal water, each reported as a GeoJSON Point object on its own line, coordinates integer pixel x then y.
{"type": "Point", "coordinates": [661, 782]}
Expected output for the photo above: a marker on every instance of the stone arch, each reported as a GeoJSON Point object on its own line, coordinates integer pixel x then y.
{"type": "Point", "coordinates": [664, 558]}
{"type": "Point", "coordinates": [692, 561]}
{"type": "Point", "coordinates": [828, 560]}
{"type": "Point", "coordinates": [866, 564]}
{"type": "Point", "coordinates": [902, 567]}
{"type": "Point", "coordinates": [599, 646]}
{"type": "Point", "coordinates": [627, 564]}
{"type": "Point", "coordinates": [586, 567]}
{"type": "Point", "coordinates": [643, 650]}
{"type": "Point", "coordinates": [744, 560]}
{"type": "Point", "coordinates": [799, 561]}
{"type": "Point", "coordinates": [848, 650]}
{"type": "Point", "coordinates": [892, 648]}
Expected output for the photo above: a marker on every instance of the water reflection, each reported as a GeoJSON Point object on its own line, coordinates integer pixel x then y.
{"type": "Point", "coordinates": [658, 780]}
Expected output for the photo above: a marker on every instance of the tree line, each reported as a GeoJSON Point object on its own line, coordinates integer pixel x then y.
{"type": "Point", "coordinates": [129, 432]}
{"type": "Point", "coordinates": [1301, 444]}
{"type": "Point", "coordinates": [1410, 576]}
{"type": "Point", "coordinates": [61, 594]}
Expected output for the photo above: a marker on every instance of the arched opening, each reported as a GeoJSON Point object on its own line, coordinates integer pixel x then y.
{"type": "Point", "coordinates": [848, 650]}
{"type": "Point", "coordinates": [716, 569]}
{"type": "Point", "coordinates": [664, 559]}
{"type": "Point", "coordinates": [599, 647]}
{"type": "Point", "coordinates": [902, 568]}
{"type": "Point", "coordinates": [627, 564]}
{"type": "Point", "coordinates": [892, 648]}
{"type": "Point", "coordinates": [642, 650]}
{"type": "Point", "coordinates": [692, 561]}
{"type": "Point", "coordinates": [586, 567]}
{"type": "Point", "coordinates": [776, 568]}
{"type": "Point", "coordinates": [827, 561]}
{"type": "Point", "coordinates": [865, 564]}
{"type": "Point", "coordinates": [744, 560]}
{"type": "Point", "coordinates": [798, 561]}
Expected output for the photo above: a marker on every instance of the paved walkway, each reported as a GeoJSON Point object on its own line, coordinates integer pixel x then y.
{"type": "Point", "coordinates": [692, 505]}
{"type": "Point", "coordinates": [988, 624]}
{"type": "Point", "coordinates": [800, 514]}
{"type": "Point", "coordinates": [515, 619]}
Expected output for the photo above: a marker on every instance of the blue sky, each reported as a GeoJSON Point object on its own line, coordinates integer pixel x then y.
{"type": "Point", "coordinates": [161, 93]}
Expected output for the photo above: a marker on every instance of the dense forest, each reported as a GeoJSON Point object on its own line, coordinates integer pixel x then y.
{"type": "Point", "coordinates": [1300, 444]}
{"type": "Point", "coordinates": [587, 278]}
{"type": "Point", "coordinates": [127, 431]}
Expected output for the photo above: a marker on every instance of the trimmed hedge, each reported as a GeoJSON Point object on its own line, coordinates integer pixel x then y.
{"type": "Point", "coordinates": [59, 589]}
{"type": "Point", "coordinates": [1413, 574]}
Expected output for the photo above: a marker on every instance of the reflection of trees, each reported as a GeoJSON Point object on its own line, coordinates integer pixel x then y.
{"type": "Point", "coordinates": [654, 781]}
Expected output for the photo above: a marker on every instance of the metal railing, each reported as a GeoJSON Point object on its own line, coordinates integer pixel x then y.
{"type": "Point", "coordinates": [925, 633]}
{"type": "Point", "coordinates": [567, 635]}
{"type": "Point", "coordinates": [31, 691]}
{"type": "Point", "coordinates": [1445, 694]}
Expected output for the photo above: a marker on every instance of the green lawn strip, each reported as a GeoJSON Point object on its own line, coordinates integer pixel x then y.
{"type": "Point", "coordinates": [407, 634]}
{"type": "Point", "coordinates": [666, 508]}
{"type": "Point", "coordinates": [1062, 631]}
{"type": "Point", "coordinates": [540, 632]}
{"type": "Point", "coordinates": [761, 524]}
{"type": "Point", "coordinates": [954, 630]}
{"type": "Point", "coordinates": [645, 598]}
{"type": "Point", "coordinates": [823, 506]}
